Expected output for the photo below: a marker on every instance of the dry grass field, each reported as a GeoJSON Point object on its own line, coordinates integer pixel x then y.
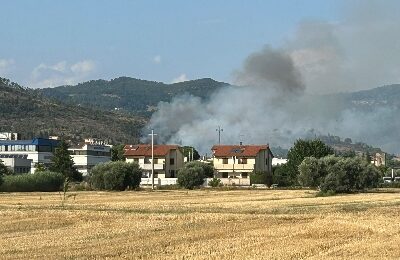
{"type": "Point", "coordinates": [239, 224]}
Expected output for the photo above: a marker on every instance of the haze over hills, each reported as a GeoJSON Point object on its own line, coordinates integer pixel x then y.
{"type": "Point", "coordinates": [25, 111]}
{"type": "Point", "coordinates": [365, 116]}
{"type": "Point", "coordinates": [87, 109]}
{"type": "Point", "coordinates": [142, 96]}
{"type": "Point", "coordinates": [130, 94]}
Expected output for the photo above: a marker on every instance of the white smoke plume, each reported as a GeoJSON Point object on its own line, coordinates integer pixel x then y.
{"type": "Point", "coordinates": [276, 98]}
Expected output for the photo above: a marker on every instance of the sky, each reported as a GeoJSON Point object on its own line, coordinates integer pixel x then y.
{"type": "Point", "coordinates": [46, 43]}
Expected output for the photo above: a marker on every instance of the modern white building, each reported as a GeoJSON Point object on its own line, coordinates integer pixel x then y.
{"type": "Point", "coordinates": [38, 150]}
{"type": "Point", "coordinates": [278, 161]}
{"type": "Point", "coordinates": [17, 165]}
{"type": "Point", "coordinates": [87, 155]}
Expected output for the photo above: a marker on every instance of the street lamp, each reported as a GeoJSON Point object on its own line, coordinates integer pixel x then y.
{"type": "Point", "coordinates": [152, 158]}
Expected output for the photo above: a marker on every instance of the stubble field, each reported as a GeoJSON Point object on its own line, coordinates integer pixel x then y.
{"type": "Point", "coordinates": [239, 224]}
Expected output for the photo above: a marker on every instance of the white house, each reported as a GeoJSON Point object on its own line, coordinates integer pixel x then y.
{"type": "Point", "coordinates": [234, 163]}
{"type": "Point", "coordinates": [168, 159]}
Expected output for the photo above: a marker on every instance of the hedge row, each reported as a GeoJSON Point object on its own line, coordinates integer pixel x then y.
{"type": "Point", "coordinates": [41, 181]}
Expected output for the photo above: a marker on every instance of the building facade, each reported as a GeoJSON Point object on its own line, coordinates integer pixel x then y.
{"type": "Point", "coordinates": [235, 163]}
{"type": "Point", "coordinates": [87, 155]}
{"type": "Point", "coordinates": [17, 165]}
{"type": "Point", "coordinates": [38, 151]}
{"type": "Point", "coordinates": [168, 159]}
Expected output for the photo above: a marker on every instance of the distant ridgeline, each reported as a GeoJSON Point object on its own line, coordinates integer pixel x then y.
{"type": "Point", "coordinates": [28, 112]}
{"type": "Point", "coordinates": [129, 94]}
{"type": "Point", "coordinates": [347, 145]}
{"type": "Point", "coordinates": [340, 145]}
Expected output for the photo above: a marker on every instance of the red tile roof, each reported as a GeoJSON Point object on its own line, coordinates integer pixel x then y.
{"type": "Point", "coordinates": [238, 150]}
{"type": "Point", "coordinates": [145, 149]}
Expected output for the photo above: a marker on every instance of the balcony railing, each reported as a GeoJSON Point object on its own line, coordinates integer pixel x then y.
{"type": "Point", "coordinates": [157, 166]}
{"type": "Point", "coordinates": [234, 166]}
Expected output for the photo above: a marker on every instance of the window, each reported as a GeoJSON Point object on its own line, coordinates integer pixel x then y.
{"type": "Point", "coordinates": [136, 160]}
{"type": "Point", "coordinates": [224, 175]}
{"type": "Point", "coordinates": [172, 172]}
{"type": "Point", "coordinates": [155, 160]}
{"type": "Point", "coordinates": [225, 161]}
{"type": "Point", "coordinates": [266, 161]}
{"type": "Point", "coordinates": [147, 160]}
{"type": "Point", "coordinates": [244, 174]}
{"type": "Point", "coordinates": [171, 161]}
{"type": "Point", "coordinates": [242, 161]}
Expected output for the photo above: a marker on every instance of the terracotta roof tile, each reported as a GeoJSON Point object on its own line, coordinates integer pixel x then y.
{"type": "Point", "coordinates": [238, 150]}
{"type": "Point", "coordinates": [145, 149]}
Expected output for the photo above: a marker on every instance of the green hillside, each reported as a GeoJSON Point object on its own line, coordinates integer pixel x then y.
{"type": "Point", "coordinates": [27, 112]}
{"type": "Point", "coordinates": [129, 94]}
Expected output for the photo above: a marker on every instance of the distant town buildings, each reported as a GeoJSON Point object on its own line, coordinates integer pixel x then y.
{"type": "Point", "coordinates": [9, 136]}
{"type": "Point", "coordinates": [379, 159]}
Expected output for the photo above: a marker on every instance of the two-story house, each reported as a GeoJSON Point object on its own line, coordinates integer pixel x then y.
{"type": "Point", "coordinates": [168, 159]}
{"type": "Point", "coordinates": [238, 161]}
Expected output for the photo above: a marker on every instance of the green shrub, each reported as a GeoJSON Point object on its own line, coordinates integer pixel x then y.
{"type": "Point", "coordinates": [208, 169]}
{"type": "Point", "coordinates": [190, 178]}
{"type": "Point", "coordinates": [258, 178]}
{"type": "Point", "coordinates": [117, 175]}
{"type": "Point", "coordinates": [349, 175]}
{"type": "Point", "coordinates": [215, 182]}
{"type": "Point", "coordinates": [40, 181]}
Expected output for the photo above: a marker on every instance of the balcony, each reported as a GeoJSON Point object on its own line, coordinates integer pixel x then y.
{"type": "Point", "coordinates": [234, 167]}
{"type": "Point", "coordinates": [157, 166]}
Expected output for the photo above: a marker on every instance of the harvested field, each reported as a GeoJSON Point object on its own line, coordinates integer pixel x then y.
{"type": "Point", "coordinates": [204, 224]}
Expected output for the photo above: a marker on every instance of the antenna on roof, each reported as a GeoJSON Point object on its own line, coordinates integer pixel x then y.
{"type": "Point", "coordinates": [219, 130]}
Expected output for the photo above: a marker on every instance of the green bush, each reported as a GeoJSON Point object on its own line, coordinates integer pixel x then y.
{"type": "Point", "coordinates": [208, 169]}
{"type": "Point", "coordinates": [115, 176]}
{"type": "Point", "coordinates": [40, 181]}
{"type": "Point", "coordinates": [312, 171]}
{"type": "Point", "coordinates": [261, 178]}
{"type": "Point", "coordinates": [215, 182]}
{"type": "Point", "coordinates": [190, 178]}
{"type": "Point", "coordinates": [350, 174]}
{"type": "Point", "coordinates": [280, 176]}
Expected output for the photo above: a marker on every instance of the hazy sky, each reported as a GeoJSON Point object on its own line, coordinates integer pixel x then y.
{"type": "Point", "coordinates": [48, 42]}
{"type": "Point", "coordinates": [335, 45]}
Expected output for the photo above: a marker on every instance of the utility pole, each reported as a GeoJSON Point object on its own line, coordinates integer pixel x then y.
{"type": "Point", "coordinates": [192, 153]}
{"type": "Point", "coordinates": [219, 130]}
{"type": "Point", "coordinates": [152, 158]}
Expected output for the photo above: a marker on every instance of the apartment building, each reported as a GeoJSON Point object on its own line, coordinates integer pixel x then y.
{"type": "Point", "coordinates": [87, 155]}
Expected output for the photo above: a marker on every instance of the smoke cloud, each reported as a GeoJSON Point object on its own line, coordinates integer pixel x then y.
{"type": "Point", "coordinates": [278, 95]}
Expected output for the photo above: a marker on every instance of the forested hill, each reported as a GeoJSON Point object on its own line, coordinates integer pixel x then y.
{"type": "Point", "coordinates": [27, 112]}
{"type": "Point", "coordinates": [130, 94]}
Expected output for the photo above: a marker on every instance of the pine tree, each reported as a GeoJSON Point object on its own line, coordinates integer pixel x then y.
{"type": "Point", "coordinates": [63, 163]}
